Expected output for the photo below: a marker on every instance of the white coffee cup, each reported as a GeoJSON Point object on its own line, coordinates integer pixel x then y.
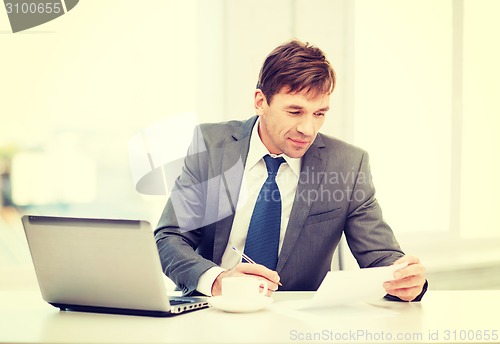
{"type": "Point", "coordinates": [243, 287]}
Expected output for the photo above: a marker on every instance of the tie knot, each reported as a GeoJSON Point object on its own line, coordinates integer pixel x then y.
{"type": "Point", "coordinates": [273, 164]}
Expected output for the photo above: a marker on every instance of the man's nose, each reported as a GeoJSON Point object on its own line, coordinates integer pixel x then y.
{"type": "Point", "coordinates": [306, 126]}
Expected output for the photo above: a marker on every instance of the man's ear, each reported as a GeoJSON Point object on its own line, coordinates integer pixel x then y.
{"type": "Point", "coordinates": [259, 101]}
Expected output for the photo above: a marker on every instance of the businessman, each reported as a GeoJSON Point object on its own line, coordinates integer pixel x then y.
{"type": "Point", "coordinates": [276, 189]}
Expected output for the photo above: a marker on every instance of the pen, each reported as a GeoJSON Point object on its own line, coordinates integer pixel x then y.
{"type": "Point", "coordinates": [248, 259]}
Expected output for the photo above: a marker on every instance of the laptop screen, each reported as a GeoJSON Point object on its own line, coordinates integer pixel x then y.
{"type": "Point", "coordinates": [96, 262]}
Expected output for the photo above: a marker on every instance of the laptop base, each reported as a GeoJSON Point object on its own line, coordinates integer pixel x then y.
{"type": "Point", "coordinates": [125, 311]}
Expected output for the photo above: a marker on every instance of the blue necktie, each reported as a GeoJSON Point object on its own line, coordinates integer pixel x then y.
{"type": "Point", "coordinates": [264, 231]}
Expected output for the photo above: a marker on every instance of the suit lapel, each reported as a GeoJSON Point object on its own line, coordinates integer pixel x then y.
{"type": "Point", "coordinates": [232, 163]}
{"type": "Point", "coordinates": [312, 162]}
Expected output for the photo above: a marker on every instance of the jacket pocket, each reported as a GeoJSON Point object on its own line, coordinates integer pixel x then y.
{"type": "Point", "coordinates": [325, 216]}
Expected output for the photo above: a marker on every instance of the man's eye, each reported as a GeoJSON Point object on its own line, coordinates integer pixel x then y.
{"type": "Point", "coordinates": [319, 114]}
{"type": "Point", "coordinates": [295, 113]}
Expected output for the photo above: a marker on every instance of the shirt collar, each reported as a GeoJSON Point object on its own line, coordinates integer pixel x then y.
{"type": "Point", "coordinates": [257, 151]}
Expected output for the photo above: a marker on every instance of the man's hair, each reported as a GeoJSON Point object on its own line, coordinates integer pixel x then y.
{"type": "Point", "coordinates": [296, 66]}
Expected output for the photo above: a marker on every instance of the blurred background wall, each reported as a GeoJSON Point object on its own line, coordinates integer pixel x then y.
{"type": "Point", "coordinates": [417, 88]}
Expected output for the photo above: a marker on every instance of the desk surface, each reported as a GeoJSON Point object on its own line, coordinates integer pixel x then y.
{"type": "Point", "coordinates": [443, 316]}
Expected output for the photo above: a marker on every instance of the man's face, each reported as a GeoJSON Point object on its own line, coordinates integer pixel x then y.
{"type": "Point", "coordinates": [290, 123]}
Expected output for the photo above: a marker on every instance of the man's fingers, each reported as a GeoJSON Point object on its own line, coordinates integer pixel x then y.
{"type": "Point", "coordinates": [255, 270]}
{"type": "Point", "coordinates": [271, 285]}
{"type": "Point", "coordinates": [410, 270]}
{"type": "Point", "coordinates": [413, 268]}
{"type": "Point", "coordinates": [407, 259]}
{"type": "Point", "coordinates": [258, 271]}
{"type": "Point", "coordinates": [409, 282]}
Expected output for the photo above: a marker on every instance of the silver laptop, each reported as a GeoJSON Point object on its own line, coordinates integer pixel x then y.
{"type": "Point", "coordinates": [101, 265]}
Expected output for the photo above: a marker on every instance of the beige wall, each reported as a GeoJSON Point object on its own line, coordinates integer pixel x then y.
{"type": "Point", "coordinates": [417, 85]}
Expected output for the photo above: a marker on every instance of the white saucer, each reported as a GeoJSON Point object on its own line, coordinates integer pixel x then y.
{"type": "Point", "coordinates": [234, 305]}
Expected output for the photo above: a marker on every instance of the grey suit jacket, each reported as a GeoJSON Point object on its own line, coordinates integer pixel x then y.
{"type": "Point", "coordinates": [334, 194]}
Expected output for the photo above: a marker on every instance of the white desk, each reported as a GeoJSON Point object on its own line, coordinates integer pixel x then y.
{"type": "Point", "coordinates": [443, 316]}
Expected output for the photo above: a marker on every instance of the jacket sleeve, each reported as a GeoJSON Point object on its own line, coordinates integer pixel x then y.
{"type": "Point", "coordinates": [369, 237]}
{"type": "Point", "coordinates": [181, 225]}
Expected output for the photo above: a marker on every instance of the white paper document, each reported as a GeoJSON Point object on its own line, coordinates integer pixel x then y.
{"type": "Point", "coordinates": [349, 286]}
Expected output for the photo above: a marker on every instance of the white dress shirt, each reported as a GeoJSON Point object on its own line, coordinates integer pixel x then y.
{"type": "Point", "coordinates": [254, 176]}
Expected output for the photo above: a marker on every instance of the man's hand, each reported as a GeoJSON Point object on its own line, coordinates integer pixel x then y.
{"type": "Point", "coordinates": [243, 269]}
{"type": "Point", "coordinates": [409, 281]}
